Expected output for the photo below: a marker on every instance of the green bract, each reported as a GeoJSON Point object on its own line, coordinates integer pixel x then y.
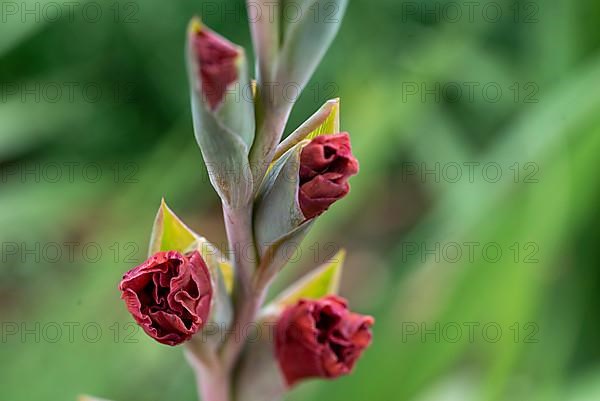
{"type": "Point", "coordinates": [225, 134]}
{"type": "Point", "coordinates": [306, 39]}
{"type": "Point", "coordinates": [324, 280]}
{"type": "Point", "coordinates": [278, 221]}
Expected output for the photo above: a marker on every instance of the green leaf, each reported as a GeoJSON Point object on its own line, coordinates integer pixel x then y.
{"type": "Point", "coordinates": [276, 255]}
{"type": "Point", "coordinates": [171, 234]}
{"type": "Point", "coordinates": [265, 37]}
{"type": "Point", "coordinates": [225, 135]}
{"type": "Point", "coordinates": [325, 121]}
{"type": "Point", "coordinates": [236, 112]}
{"type": "Point", "coordinates": [331, 125]}
{"type": "Point", "coordinates": [225, 156]}
{"type": "Point", "coordinates": [306, 39]}
{"type": "Point", "coordinates": [320, 282]}
{"type": "Point", "coordinates": [277, 211]}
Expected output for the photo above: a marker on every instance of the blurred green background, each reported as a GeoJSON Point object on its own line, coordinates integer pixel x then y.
{"type": "Point", "coordinates": [470, 229]}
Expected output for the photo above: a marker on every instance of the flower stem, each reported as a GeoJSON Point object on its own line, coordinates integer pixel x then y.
{"type": "Point", "coordinates": [213, 381]}
{"type": "Point", "coordinates": [245, 315]}
{"type": "Point", "coordinates": [240, 235]}
{"type": "Point", "coordinates": [247, 299]}
{"type": "Point", "coordinates": [214, 387]}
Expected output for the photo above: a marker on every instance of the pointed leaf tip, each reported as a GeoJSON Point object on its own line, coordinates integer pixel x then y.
{"type": "Point", "coordinates": [325, 121]}
{"type": "Point", "coordinates": [169, 232]}
{"type": "Point", "coordinates": [331, 125]}
{"type": "Point", "coordinates": [195, 24]}
{"type": "Point", "coordinates": [324, 280]}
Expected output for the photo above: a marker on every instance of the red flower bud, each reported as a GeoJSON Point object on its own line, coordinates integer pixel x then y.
{"type": "Point", "coordinates": [320, 339]}
{"type": "Point", "coordinates": [169, 295]}
{"type": "Point", "coordinates": [217, 57]}
{"type": "Point", "coordinates": [326, 163]}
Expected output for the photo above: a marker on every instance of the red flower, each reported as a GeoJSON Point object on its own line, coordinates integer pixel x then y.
{"type": "Point", "coordinates": [326, 163]}
{"type": "Point", "coordinates": [320, 339]}
{"type": "Point", "coordinates": [169, 295]}
{"type": "Point", "coordinates": [216, 57]}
